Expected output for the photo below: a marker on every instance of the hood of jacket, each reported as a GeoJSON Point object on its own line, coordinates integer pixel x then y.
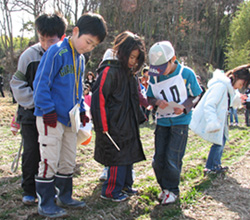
{"type": "Point", "coordinates": [109, 59]}
{"type": "Point", "coordinates": [220, 77]}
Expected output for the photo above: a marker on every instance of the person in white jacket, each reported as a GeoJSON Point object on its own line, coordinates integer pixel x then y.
{"type": "Point", "coordinates": [209, 119]}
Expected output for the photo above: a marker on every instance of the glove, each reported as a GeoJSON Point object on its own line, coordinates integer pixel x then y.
{"type": "Point", "coordinates": [50, 119]}
{"type": "Point", "coordinates": [84, 118]}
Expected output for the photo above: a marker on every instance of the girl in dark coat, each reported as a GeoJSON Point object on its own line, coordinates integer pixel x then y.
{"type": "Point", "coordinates": [116, 115]}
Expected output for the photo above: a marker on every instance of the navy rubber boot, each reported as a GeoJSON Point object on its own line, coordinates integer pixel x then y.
{"type": "Point", "coordinates": [64, 185]}
{"type": "Point", "coordinates": [45, 191]}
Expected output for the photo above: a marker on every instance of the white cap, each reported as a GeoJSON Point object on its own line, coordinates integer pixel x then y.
{"type": "Point", "coordinates": [159, 55]}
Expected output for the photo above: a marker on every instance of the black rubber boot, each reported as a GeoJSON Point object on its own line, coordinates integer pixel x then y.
{"type": "Point", "coordinates": [45, 191]}
{"type": "Point", "coordinates": [64, 185]}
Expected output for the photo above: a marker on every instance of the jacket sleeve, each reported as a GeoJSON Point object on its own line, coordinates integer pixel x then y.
{"type": "Point", "coordinates": [46, 72]}
{"type": "Point", "coordinates": [22, 92]}
{"type": "Point", "coordinates": [99, 98]}
{"type": "Point", "coordinates": [236, 102]}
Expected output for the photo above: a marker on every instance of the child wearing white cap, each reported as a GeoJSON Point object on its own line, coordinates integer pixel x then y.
{"type": "Point", "coordinates": [174, 89]}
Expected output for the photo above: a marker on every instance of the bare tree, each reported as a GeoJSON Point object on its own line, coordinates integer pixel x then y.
{"type": "Point", "coordinates": [35, 7]}
{"type": "Point", "coordinates": [32, 7]}
{"type": "Point", "coordinates": [6, 33]}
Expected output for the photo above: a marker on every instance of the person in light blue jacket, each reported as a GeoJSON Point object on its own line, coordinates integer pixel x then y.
{"type": "Point", "coordinates": [209, 119]}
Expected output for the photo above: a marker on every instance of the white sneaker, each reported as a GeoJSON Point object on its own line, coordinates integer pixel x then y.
{"type": "Point", "coordinates": [104, 174]}
{"type": "Point", "coordinates": [168, 197]}
{"type": "Point", "coordinates": [161, 195]}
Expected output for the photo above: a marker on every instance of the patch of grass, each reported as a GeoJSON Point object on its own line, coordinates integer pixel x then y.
{"type": "Point", "coordinates": [87, 187]}
{"type": "Point", "coordinates": [193, 173]}
{"type": "Point", "coordinates": [190, 196]}
{"type": "Point", "coordinates": [204, 184]}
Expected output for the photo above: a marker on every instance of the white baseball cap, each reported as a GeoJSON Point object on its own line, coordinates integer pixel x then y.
{"type": "Point", "coordinates": [159, 55]}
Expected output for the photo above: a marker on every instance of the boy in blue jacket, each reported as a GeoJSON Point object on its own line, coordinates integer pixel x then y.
{"type": "Point", "coordinates": [173, 88]}
{"type": "Point", "coordinates": [58, 91]}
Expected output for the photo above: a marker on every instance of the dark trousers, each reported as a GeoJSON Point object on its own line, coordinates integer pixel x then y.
{"type": "Point", "coordinates": [1, 90]}
{"type": "Point", "coordinates": [247, 117]}
{"type": "Point", "coordinates": [30, 158]}
{"type": "Point", "coordinates": [118, 178]}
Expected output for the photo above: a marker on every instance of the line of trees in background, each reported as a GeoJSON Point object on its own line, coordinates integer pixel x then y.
{"type": "Point", "coordinates": [206, 34]}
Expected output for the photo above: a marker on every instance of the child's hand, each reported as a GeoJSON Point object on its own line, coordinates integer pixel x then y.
{"type": "Point", "coordinates": [178, 111]}
{"type": "Point", "coordinates": [84, 118]}
{"type": "Point", "coordinates": [50, 119]}
{"type": "Point", "coordinates": [161, 103]}
{"type": "Point", "coordinates": [243, 98]}
{"type": "Point", "coordinates": [14, 126]}
{"type": "Point", "coordinates": [14, 131]}
{"type": "Point", "coordinates": [150, 107]}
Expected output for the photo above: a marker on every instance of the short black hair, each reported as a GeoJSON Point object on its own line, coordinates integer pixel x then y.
{"type": "Point", "coordinates": [92, 23]}
{"type": "Point", "coordinates": [51, 25]}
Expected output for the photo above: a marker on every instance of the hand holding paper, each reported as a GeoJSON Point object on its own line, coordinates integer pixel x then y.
{"type": "Point", "coordinates": [172, 107]}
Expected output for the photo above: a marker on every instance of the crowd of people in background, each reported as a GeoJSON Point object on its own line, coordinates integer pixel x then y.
{"type": "Point", "coordinates": [117, 98]}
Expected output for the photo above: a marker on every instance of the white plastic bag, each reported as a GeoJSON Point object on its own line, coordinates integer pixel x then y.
{"type": "Point", "coordinates": [84, 134]}
{"type": "Point", "coordinates": [74, 115]}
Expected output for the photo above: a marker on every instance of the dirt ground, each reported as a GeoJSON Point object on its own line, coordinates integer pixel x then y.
{"type": "Point", "coordinates": [227, 199]}
{"type": "Point", "coordinates": [229, 196]}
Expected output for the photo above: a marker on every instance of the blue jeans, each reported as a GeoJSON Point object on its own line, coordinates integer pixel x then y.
{"type": "Point", "coordinates": [170, 146]}
{"type": "Point", "coordinates": [233, 113]}
{"type": "Point", "coordinates": [215, 154]}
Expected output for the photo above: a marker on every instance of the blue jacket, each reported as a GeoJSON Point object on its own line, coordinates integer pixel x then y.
{"type": "Point", "coordinates": [54, 84]}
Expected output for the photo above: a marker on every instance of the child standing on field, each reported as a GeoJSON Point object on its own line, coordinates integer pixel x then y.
{"type": "Point", "coordinates": [50, 28]}
{"type": "Point", "coordinates": [173, 88]}
{"type": "Point", "coordinates": [116, 114]}
{"type": "Point", "coordinates": [57, 95]}
{"type": "Point", "coordinates": [209, 118]}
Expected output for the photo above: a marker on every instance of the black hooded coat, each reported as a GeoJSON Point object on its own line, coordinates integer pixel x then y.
{"type": "Point", "coordinates": [115, 108]}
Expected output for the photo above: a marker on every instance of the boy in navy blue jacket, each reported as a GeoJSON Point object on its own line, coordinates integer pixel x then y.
{"type": "Point", "coordinates": [58, 91]}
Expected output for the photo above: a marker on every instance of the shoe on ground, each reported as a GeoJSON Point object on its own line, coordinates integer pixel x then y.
{"type": "Point", "coordinates": [207, 171]}
{"type": "Point", "coordinates": [130, 191]}
{"type": "Point", "coordinates": [236, 124]}
{"type": "Point", "coordinates": [28, 200]}
{"type": "Point", "coordinates": [104, 174]}
{"type": "Point", "coordinates": [168, 197]}
{"type": "Point", "coordinates": [222, 169]}
{"type": "Point", "coordinates": [52, 212]}
{"type": "Point", "coordinates": [161, 195]}
{"type": "Point", "coordinates": [122, 197]}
